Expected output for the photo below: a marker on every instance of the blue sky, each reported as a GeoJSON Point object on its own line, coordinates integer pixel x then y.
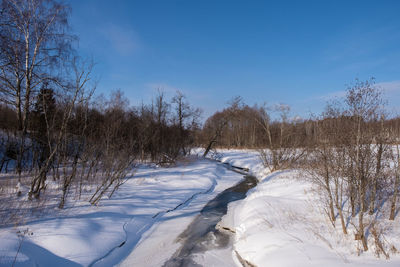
{"type": "Point", "coordinates": [295, 52]}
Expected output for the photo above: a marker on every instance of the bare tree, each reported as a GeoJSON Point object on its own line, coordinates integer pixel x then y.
{"type": "Point", "coordinates": [381, 151]}
{"type": "Point", "coordinates": [328, 162]}
{"type": "Point", "coordinates": [186, 117]}
{"type": "Point", "coordinates": [283, 149]}
{"type": "Point", "coordinates": [33, 39]}
{"type": "Point", "coordinates": [75, 94]}
{"type": "Point", "coordinates": [364, 103]}
{"type": "Point", "coordinates": [396, 182]}
{"type": "Point", "coordinates": [215, 127]}
{"type": "Point", "coordinates": [117, 149]}
{"type": "Point", "coordinates": [82, 92]}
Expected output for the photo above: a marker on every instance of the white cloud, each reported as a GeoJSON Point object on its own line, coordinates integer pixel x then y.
{"type": "Point", "coordinates": [389, 87]}
{"type": "Point", "coordinates": [122, 39]}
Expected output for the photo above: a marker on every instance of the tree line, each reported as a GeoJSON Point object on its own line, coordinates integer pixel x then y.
{"type": "Point", "coordinates": [51, 125]}
{"type": "Point", "coordinates": [351, 151]}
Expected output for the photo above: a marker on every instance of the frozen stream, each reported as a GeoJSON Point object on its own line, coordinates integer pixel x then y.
{"type": "Point", "coordinates": [201, 235]}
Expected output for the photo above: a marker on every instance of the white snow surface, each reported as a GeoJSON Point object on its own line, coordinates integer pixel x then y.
{"type": "Point", "coordinates": [136, 215]}
{"type": "Point", "coordinates": [281, 223]}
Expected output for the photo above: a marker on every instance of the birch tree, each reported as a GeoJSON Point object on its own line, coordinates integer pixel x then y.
{"type": "Point", "coordinates": [33, 40]}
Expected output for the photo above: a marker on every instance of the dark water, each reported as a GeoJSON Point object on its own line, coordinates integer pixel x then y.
{"type": "Point", "coordinates": [201, 234]}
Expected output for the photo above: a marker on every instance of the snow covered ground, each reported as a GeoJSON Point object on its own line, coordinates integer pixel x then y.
{"type": "Point", "coordinates": [281, 223]}
{"type": "Point", "coordinates": [145, 216]}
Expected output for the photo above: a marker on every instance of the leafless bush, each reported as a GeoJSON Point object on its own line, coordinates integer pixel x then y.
{"type": "Point", "coordinates": [351, 157]}
{"type": "Point", "coordinates": [381, 245]}
{"type": "Point", "coordinates": [283, 148]}
{"type": "Point", "coordinates": [114, 170]}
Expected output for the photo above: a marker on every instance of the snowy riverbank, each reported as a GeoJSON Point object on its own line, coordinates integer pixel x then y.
{"type": "Point", "coordinates": [143, 217]}
{"type": "Point", "coordinates": [282, 223]}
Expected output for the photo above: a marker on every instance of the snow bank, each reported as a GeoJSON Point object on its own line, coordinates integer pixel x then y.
{"type": "Point", "coordinates": [281, 223]}
{"type": "Point", "coordinates": [245, 158]}
{"type": "Point", "coordinates": [146, 212]}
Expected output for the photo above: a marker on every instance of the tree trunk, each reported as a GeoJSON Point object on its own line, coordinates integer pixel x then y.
{"type": "Point", "coordinates": [342, 222]}
{"type": "Point", "coordinates": [361, 228]}
{"type": "Point", "coordinates": [329, 191]}
{"type": "Point", "coordinates": [352, 200]}
{"type": "Point", "coordinates": [338, 200]}
{"type": "Point", "coordinates": [375, 182]}
{"type": "Point", "coordinates": [394, 198]}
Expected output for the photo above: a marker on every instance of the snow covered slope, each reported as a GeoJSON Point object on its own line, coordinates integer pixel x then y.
{"type": "Point", "coordinates": [146, 213]}
{"type": "Point", "coordinates": [281, 223]}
